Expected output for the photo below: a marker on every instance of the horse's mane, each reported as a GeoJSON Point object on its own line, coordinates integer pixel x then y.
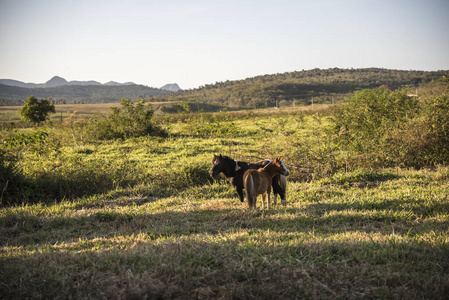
{"type": "Point", "coordinates": [227, 158]}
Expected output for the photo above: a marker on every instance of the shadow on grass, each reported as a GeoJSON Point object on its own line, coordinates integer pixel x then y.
{"type": "Point", "coordinates": [58, 185]}
{"type": "Point", "coordinates": [196, 255]}
{"type": "Point", "coordinates": [22, 228]}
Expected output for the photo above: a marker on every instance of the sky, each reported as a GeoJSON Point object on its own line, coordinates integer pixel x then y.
{"type": "Point", "coordinates": [200, 42]}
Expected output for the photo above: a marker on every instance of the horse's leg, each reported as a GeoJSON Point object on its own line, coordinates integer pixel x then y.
{"type": "Point", "coordinates": [263, 201]}
{"type": "Point", "coordinates": [277, 189]}
{"type": "Point", "coordinates": [240, 193]}
{"type": "Point", "coordinates": [268, 196]}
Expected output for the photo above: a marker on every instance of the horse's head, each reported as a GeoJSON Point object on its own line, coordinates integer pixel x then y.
{"type": "Point", "coordinates": [216, 166]}
{"type": "Point", "coordinates": [223, 164]}
{"type": "Point", "coordinates": [280, 166]}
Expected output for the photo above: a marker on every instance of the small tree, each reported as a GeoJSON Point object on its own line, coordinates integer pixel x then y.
{"type": "Point", "coordinates": [131, 120]}
{"type": "Point", "coordinates": [36, 111]}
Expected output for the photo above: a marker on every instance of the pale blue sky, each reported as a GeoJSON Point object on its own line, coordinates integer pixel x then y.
{"type": "Point", "coordinates": [200, 42]}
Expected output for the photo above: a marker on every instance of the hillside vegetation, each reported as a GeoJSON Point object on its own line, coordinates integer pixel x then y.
{"type": "Point", "coordinates": [135, 214]}
{"type": "Point", "coordinates": [300, 87]}
{"type": "Point", "coordinates": [12, 95]}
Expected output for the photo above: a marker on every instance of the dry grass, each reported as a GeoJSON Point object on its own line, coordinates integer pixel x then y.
{"type": "Point", "coordinates": [11, 113]}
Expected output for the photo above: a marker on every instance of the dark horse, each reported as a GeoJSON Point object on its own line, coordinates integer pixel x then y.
{"type": "Point", "coordinates": [233, 171]}
{"type": "Point", "coordinates": [258, 182]}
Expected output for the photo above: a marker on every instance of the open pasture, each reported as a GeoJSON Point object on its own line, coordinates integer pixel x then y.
{"type": "Point", "coordinates": [11, 113]}
{"type": "Point", "coordinates": [140, 218]}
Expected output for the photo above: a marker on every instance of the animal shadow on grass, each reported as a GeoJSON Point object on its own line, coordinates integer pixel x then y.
{"type": "Point", "coordinates": [27, 229]}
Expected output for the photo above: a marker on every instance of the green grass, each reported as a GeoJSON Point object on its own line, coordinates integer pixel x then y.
{"type": "Point", "coordinates": [140, 218]}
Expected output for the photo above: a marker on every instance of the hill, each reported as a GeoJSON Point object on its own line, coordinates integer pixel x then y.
{"type": "Point", "coordinates": [13, 95]}
{"type": "Point", "coordinates": [14, 92]}
{"type": "Point", "coordinates": [57, 81]}
{"type": "Point", "coordinates": [300, 87]}
{"type": "Point", "coordinates": [172, 87]}
{"type": "Point", "coordinates": [291, 88]}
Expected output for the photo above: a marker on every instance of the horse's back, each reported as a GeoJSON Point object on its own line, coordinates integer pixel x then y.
{"type": "Point", "coordinates": [249, 172]}
{"type": "Point", "coordinates": [252, 175]}
{"type": "Point", "coordinates": [259, 180]}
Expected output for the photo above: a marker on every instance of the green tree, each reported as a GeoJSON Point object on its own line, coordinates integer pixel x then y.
{"type": "Point", "coordinates": [36, 111]}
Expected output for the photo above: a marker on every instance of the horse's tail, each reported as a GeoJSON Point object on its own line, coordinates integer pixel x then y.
{"type": "Point", "coordinates": [251, 194]}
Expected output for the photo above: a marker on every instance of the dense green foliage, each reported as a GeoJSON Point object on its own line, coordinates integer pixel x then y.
{"type": "Point", "coordinates": [132, 120]}
{"type": "Point", "coordinates": [26, 139]}
{"type": "Point", "coordinates": [35, 110]}
{"type": "Point", "coordinates": [435, 124]}
{"type": "Point", "coordinates": [392, 128]}
{"type": "Point", "coordinates": [10, 177]}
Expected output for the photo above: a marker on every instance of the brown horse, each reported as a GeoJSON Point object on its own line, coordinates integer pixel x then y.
{"type": "Point", "coordinates": [258, 182]}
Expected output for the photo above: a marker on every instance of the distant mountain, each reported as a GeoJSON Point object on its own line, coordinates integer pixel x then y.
{"type": "Point", "coordinates": [13, 92]}
{"type": "Point", "coordinates": [90, 82]}
{"type": "Point", "coordinates": [172, 87]}
{"type": "Point", "coordinates": [57, 81]}
{"type": "Point", "coordinates": [12, 82]}
{"type": "Point", "coordinates": [113, 83]}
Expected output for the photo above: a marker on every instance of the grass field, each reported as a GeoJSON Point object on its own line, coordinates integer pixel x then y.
{"type": "Point", "coordinates": [140, 218]}
{"type": "Point", "coordinates": [11, 113]}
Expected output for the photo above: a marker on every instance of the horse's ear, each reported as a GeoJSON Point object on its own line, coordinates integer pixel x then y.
{"type": "Point", "coordinates": [220, 156]}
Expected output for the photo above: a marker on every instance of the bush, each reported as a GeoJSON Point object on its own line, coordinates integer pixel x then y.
{"type": "Point", "coordinates": [21, 139]}
{"type": "Point", "coordinates": [10, 179]}
{"type": "Point", "coordinates": [390, 128]}
{"type": "Point", "coordinates": [436, 124]}
{"type": "Point", "coordinates": [129, 121]}
{"type": "Point", "coordinates": [368, 116]}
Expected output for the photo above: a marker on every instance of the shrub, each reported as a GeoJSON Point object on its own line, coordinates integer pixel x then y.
{"type": "Point", "coordinates": [436, 123]}
{"type": "Point", "coordinates": [369, 115]}
{"type": "Point", "coordinates": [10, 179]}
{"type": "Point", "coordinates": [391, 128]}
{"type": "Point", "coordinates": [21, 139]}
{"type": "Point", "coordinates": [129, 121]}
